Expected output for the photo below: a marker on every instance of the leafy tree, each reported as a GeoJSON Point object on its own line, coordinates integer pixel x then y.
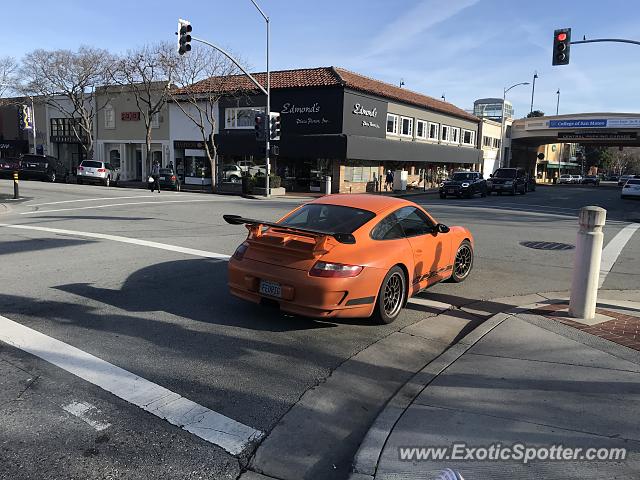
{"type": "Point", "coordinates": [535, 113]}
{"type": "Point", "coordinates": [8, 68]}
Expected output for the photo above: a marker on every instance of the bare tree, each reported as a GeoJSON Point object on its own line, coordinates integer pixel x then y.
{"type": "Point", "coordinates": [66, 80]}
{"type": "Point", "coordinates": [8, 68]}
{"type": "Point", "coordinates": [201, 78]}
{"type": "Point", "coordinates": [146, 73]}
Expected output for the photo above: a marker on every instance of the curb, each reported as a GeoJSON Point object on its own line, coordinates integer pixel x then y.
{"type": "Point", "coordinates": [366, 459]}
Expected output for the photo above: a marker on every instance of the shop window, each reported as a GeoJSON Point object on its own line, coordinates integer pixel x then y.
{"type": "Point", "coordinates": [114, 158]}
{"type": "Point", "coordinates": [109, 117]}
{"type": "Point", "coordinates": [454, 135]}
{"type": "Point", "coordinates": [392, 124]}
{"type": "Point", "coordinates": [359, 174]}
{"type": "Point", "coordinates": [421, 129]}
{"type": "Point", "coordinates": [239, 118]}
{"type": "Point", "coordinates": [433, 131]}
{"type": "Point", "coordinates": [446, 129]}
{"type": "Point", "coordinates": [407, 127]}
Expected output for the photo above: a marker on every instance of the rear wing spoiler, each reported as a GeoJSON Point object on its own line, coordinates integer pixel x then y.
{"type": "Point", "coordinates": [346, 238]}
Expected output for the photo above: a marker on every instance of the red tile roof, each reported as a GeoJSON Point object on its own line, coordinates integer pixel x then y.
{"type": "Point", "coordinates": [327, 77]}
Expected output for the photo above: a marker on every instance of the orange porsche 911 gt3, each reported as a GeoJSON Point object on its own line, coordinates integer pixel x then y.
{"type": "Point", "coordinates": [347, 256]}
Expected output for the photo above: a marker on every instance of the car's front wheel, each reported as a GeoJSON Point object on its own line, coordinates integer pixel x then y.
{"type": "Point", "coordinates": [463, 263]}
{"type": "Point", "coordinates": [52, 177]}
{"type": "Point", "coordinates": [391, 296]}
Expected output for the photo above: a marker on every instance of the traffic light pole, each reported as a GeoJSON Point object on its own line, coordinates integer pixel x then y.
{"type": "Point", "coordinates": [617, 40]}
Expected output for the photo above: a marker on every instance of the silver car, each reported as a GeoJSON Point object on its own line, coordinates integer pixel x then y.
{"type": "Point", "coordinates": [94, 171]}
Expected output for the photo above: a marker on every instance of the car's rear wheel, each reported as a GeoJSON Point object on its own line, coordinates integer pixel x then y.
{"type": "Point", "coordinates": [391, 296]}
{"type": "Point", "coordinates": [107, 182]}
{"type": "Point", "coordinates": [234, 179]}
{"type": "Point", "coordinates": [52, 177]}
{"type": "Point", "coordinates": [463, 263]}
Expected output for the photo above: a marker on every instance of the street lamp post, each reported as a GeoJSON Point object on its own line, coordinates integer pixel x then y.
{"type": "Point", "coordinates": [268, 115]}
{"type": "Point", "coordinates": [558, 102]}
{"type": "Point", "coordinates": [533, 90]}
{"type": "Point", "coordinates": [504, 98]}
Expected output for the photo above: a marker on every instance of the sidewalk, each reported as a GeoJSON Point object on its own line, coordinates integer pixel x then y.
{"type": "Point", "coordinates": [529, 376]}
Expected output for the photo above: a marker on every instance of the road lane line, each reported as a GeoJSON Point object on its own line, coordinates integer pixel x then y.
{"type": "Point", "coordinates": [207, 424]}
{"type": "Point", "coordinates": [35, 212]}
{"type": "Point", "coordinates": [117, 238]}
{"type": "Point", "coordinates": [613, 249]}
{"type": "Point", "coordinates": [85, 412]}
{"type": "Point", "coordinates": [93, 200]}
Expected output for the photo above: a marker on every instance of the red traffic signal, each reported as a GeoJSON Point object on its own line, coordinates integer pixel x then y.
{"type": "Point", "coordinates": [561, 44]}
{"type": "Point", "coordinates": [561, 37]}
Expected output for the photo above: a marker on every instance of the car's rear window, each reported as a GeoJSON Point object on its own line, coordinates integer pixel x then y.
{"type": "Point", "coordinates": [633, 182]}
{"type": "Point", "coordinates": [91, 164]}
{"type": "Point", "coordinates": [33, 158]}
{"type": "Point", "coordinates": [505, 173]}
{"type": "Point", "coordinates": [328, 218]}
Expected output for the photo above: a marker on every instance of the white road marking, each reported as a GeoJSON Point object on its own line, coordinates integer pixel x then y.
{"type": "Point", "coordinates": [117, 238]}
{"type": "Point", "coordinates": [613, 249]}
{"type": "Point", "coordinates": [85, 411]}
{"type": "Point", "coordinates": [35, 212]}
{"type": "Point", "coordinates": [211, 426]}
{"type": "Point", "coordinates": [91, 200]}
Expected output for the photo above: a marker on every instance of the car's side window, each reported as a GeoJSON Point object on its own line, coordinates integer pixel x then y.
{"type": "Point", "coordinates": [387, 229]}
{"type": "Point", "coordinates": [414, 222]}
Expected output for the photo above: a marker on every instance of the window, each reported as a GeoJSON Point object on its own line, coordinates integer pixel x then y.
{"type": "Point", "coordinates": [486, 141]}
{"type": "Point", "coordinates": [359, 173]}
{"type": "Point", "coordinates": [392, 124]}
{"type": "Point", "coordinates": [421, 129]}
{"type": "Point", "coordinates": [468, 137]}
{"type": "Point", "coordinates": [155, 120]}
{"type": "Point", "coordinates": [329, 218]}
{"type": "Point", "coordinates": [387, 229]}
{"type": "Point", "coordinates": [433, 131]}
{"type": "Point", "coordinates": [445, 133]}
{"type": "Point", "coordinates": [407, 127]}
{"type": "Point", "coordinates": [109, 117]}
{"type": "Point", "coordinates": [496, 143]}
{"type": "Point", "coordinates": [455, 135]}
{"type": "Point", "coordinates": [414, 222]}
{"type": "Point", "coordinates": [243, 117]}
{"type": "Point", "coordinates": [114, 158]}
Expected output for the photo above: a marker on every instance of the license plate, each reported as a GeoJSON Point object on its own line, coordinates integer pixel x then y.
{"type": "Point", "coordinates": [161, 178]}
{"type": "Point", "coordinates": [451, 190]}
{"type": "Point", "coordinates": [497, 187]}
{"type": "Point", "coordinates": [273, 289]}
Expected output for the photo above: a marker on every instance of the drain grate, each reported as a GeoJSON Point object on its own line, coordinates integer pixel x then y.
{"type": "Point", "coordinates": [547, 245]}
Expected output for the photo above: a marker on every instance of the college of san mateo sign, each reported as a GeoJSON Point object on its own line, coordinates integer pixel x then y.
{"type": "Point", "coordinates": [596, 123]}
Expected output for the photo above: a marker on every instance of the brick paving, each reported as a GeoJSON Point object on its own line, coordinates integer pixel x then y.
{"type": "Point", "coordinates": [623, 329]}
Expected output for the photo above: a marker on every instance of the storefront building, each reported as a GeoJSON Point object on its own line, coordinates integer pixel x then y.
{"type": "Point", "coordinates": [350, 127]}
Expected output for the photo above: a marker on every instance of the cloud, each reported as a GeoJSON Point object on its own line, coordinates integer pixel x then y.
{"type": "Point", "coordinates": [420, 18]}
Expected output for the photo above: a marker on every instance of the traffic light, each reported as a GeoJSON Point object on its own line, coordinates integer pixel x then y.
{"type": "Point", "coordinates": [260, 127]}
{"type": "Point", "coordinates": [561, 46]}
{"type": "Point", "coordinates": [274, 126]}
{"type": "Point", "coordinates": [184, 36]}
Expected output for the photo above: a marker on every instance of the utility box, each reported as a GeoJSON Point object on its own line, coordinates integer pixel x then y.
{"type": "Point", "coordinates": [400, 178]}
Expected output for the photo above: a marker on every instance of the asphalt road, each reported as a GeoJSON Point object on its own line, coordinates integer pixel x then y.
{"type": "Point", "coordinates": [165, 315]}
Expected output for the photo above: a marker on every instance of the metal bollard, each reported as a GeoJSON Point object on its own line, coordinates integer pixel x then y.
{"type": "Point", "coordinates": [16, 190]}
{"type": "Point", "coordinates": [586, 267]}
{"type": "Point", "coordinates": [327, 185]}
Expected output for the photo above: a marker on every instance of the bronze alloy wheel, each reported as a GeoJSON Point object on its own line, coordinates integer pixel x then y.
{"type": "Point", "coordinates": [463, 262]}
{"type": "Point", "coordinates": [391, 296]}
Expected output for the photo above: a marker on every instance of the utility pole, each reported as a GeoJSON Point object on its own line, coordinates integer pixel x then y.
{"type": "Point", "coordinates": [504, 98]}
{"type": "Point", "coordinates": [558, 102]}
{"type": "Point", "coordinates": [533, 90]}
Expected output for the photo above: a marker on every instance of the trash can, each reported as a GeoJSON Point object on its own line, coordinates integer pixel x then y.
{"type": "Point", "coordinates": [245, 184]}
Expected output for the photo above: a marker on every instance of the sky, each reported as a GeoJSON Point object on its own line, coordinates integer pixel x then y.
{"type": "Point", "coordinates": [464, 49]}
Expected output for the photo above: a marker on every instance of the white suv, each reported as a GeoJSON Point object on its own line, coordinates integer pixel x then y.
{"type": "Point", "coordinates": [94, 171]}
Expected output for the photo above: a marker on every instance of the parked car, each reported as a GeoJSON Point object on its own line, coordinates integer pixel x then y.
{"type": "Point", "coordinates": [232, 173]}
{"type": "Point", "coordinates": [565, 178]}
{"type": "Point", "coordinates": [318, 260]}
{"type": "Point", "coordinates": [8, 166]}
{"type": "Point", "coordinates": [168, 179]}
{"type": "Point", "coordinates": [95, 171]}
{"type": "Point", "coordinates": [507, 180]}
{"type": "Point", "coordinates": [591, 180]}
{"type": "Point", "coordinates": [576, 178]}
{"type": "Point", "coordinates": [631, 189]}
{"type": "Point", "coordinates": [464, 184]}
{"type": "Point", "coordinates": [623, 179]}
{"type": "Point", "coordinates": [612, 178]}
{"type": "Point", "coordinates": [43, 167]}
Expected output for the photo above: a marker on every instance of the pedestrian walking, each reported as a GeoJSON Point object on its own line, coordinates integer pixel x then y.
{"type": "Point", "coordinates": [388, 181]}
{"type": "Point", "coordinates": [155, 173]}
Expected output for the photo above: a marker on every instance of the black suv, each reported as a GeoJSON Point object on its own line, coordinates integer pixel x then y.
{"type": "Point", "coordinates": [508, 180]}
{"type": "Point", "coordinates": [43, 167]}
{"type": "Point", "coordinates": [464, 184]}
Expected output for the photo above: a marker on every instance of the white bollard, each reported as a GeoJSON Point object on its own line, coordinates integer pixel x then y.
{"type": "Point", "coordinates": [327, 185]}
{"type": "Point", "coordinates": [586, 265]}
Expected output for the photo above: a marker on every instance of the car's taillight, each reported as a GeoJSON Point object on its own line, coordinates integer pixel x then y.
{"type": "Point", "coordinates": [173, 178]}
{"type": "Point", "coordinates": [80, 169]}
{"type": "Point", "coordinates": [102, 170]}
{"type": "Point", "coordinates": [340, 270]}
{"type": "Point", "coordinates": [240, 251]}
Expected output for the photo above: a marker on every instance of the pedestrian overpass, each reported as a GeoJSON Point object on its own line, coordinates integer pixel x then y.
{"type": "Point", "coordinates": [603, 129]}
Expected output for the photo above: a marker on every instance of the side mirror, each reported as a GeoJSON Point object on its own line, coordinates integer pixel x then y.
{"type": "Point", "coordinates": [491, 175]}
{"type": "Point", "coordinates": [441, 228]}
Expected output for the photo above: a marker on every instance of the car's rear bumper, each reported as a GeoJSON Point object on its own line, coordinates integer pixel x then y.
{"type": "Point", "coordinates": [91, 178]}
{"type": "Point", "coordinates": [305, 295]}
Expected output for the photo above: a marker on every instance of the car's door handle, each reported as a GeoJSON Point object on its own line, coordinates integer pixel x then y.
{"type": "Point", "coordinates": [418, 252]}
